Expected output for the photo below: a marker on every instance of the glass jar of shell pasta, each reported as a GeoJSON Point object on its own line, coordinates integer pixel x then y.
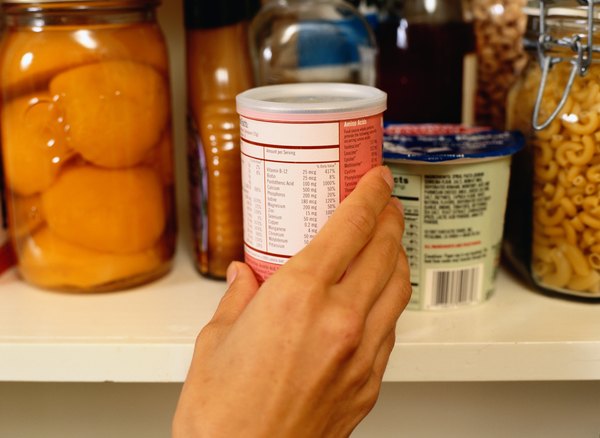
{"type": "Point", "coordinates": [86, 143]}
{"type": "Point", "coordinates": [556, 180]}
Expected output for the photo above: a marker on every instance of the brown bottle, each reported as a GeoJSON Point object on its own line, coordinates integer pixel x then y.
{"type": "Point", "coordinates": [218, 68]}
{"type": "Point", "coordinates": [427, 62]}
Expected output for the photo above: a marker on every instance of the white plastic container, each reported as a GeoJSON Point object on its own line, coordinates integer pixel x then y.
{"type": "Point", "coordinates": [304, 147]}
{"type": "Point", "coordinates": [453, 183]}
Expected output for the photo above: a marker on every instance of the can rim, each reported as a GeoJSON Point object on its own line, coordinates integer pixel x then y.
{"type": "Point", "coordinates": [446, 144]}
{"type": "Point", "coordinates": [311, 100]}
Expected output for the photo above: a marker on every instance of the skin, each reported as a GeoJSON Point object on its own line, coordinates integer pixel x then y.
{"type": "Point", "coordinates": [304, 354]}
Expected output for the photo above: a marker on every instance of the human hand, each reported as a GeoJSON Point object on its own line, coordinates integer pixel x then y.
{"type": "Point", "coordinates": [304, 354]}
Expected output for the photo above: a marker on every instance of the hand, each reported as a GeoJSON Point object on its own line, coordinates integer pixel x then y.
{"type": "Point", "coordinates": [304, 354]}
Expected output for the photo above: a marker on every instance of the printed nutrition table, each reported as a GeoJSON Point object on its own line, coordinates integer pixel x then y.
{"type": "Point", "coordinates": [280, 177]}
{"type": "Point", "coordinates": [294, 176]}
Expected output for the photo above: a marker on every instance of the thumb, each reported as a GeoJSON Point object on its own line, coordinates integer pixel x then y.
{"type": "Point", "coordinates": [242, 288]}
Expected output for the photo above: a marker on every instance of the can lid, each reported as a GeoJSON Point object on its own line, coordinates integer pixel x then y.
{"type": "Point", "coordinates": [206, 14]}
{"type": "Point", "coordinates": [308, 101]}
{"type": "Point", "coordinates": [436, 143]}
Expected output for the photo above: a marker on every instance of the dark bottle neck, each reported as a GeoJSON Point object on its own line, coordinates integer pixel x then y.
{"type": "Point", "coordinates": [433, 11]}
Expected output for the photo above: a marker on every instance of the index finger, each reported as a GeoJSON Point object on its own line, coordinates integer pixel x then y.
{"type": "Point", "coordinates": [349, 229]}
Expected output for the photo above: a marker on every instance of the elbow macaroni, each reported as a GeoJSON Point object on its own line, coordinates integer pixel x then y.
{"type": "Point", "coordinates": [566, 192]}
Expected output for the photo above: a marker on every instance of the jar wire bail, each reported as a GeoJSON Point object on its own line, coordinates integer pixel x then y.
{"type": "Point", "coordinates": [580, 64]}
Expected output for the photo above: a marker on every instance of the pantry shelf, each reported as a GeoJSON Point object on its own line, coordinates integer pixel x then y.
{"type": "Point", "coordinates": [147, 334]}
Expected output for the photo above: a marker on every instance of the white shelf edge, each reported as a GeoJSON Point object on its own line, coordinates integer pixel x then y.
{"type": "Point", "coordinates": [545, 361]}
{"type": "Point", "coordinates": [168, 363]}
{"type": "Point", "coordinates": [147, 335]}
{"type": "Point", "coordinates": [154, 363]}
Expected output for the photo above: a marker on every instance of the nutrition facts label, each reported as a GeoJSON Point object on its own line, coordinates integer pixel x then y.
{"type": "Point", "coordinates": [453, 229]}
{"type": "Point", "coordinates": [408, 190]}
{"type": "Point", "coordinates": [294, 176]}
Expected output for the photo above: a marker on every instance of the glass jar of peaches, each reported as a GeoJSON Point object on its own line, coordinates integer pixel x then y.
{"type": "Point", "coordinates": [87, 143]}
{"type": "Point", "coordinates": [556, 182]}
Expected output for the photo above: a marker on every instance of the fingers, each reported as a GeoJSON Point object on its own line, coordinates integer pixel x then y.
{"type": "Point", "coordinates": [371, 270]}
{"type": "Point", "coordinates": [350, 227]}
{"type": "Point", "coordinates": [385, 312]}
{"type": "Point", "coordinates": [383, 357]}
{"type": "Point", "coordinates": [242, 288]}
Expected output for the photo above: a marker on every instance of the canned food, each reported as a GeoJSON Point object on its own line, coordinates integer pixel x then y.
{"type": "Point", "coordinates": [453, 183]}
{"type": "Point", "coordinates": [86, 143]}
{"type": "Point", "coordinates": [304, 147]}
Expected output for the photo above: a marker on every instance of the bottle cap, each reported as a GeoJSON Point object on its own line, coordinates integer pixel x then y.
{"type": "Point", "coordinates": [206, 14]}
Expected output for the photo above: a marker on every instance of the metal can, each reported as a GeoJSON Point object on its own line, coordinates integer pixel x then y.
{"type": "Point", "coordinates": [304, 147]}
{"type": "Point", "coordinates": [557, 185]}
{"type": "Point", "coordinates": [453, 183]}
{"type": "Point", "coordinates": [86, 142]}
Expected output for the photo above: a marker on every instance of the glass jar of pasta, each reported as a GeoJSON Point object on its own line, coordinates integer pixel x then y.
{"type": "Point", "coordinates": [86, 143]}
{"type": "Point", "coordinates": [556, 180]}
{"type": "Point", "coordinates": [499, 27]}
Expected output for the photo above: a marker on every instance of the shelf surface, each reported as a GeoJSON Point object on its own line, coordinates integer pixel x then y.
{"type": "Point", "coordinates": [147, 334]}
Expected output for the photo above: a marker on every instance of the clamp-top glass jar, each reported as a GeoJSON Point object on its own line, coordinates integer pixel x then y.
{"type": "Point", "coordinates": [87, 143]}
{"type": "Point", "coordinates": [557, 102]}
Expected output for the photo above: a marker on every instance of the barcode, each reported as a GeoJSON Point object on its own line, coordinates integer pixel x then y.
{"type": "Point", "coordinates": [455, 286]}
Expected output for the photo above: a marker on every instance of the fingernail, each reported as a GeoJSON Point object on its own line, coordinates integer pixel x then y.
{"type": "Point", "coordinates": [398, 203]}
{"type": "Point", "coordinates": [386, 173]}
{"type": "Point", "coordinates": [231, 273]}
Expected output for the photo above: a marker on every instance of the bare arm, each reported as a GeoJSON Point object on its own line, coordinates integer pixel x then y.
{"type": "Point", "coordinates": [304, 354]}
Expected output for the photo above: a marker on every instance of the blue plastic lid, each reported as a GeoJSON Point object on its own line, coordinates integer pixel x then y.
{"type": "Point", "coordinates": [434, 143]}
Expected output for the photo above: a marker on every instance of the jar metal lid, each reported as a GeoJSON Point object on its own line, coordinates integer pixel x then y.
{"type": "Point", "coordinates": [306, 101]}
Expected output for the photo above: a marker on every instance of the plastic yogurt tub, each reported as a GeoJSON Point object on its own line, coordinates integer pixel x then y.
{"type": "Point", "coordinates": [453, 183]}
{"type": "Point", "coordinates": [304, 147]}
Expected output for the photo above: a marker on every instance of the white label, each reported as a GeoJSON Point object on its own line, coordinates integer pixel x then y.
{"type": "Point", "coordinates": [469, 89]}
{"type": "Point", "coordinates": [453, 229]}
{"type": "Point", "coordinates": [294, 175]}
{"type": "Point", "coordinates": [288, 196]}
{"type": "Point", "coordinates": [290, 134]}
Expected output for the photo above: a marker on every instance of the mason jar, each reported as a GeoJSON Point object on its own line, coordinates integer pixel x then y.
{"type": "Point", "coordinates": [87, 143]}
{"type": "Point", "coordinates": [556, 180]}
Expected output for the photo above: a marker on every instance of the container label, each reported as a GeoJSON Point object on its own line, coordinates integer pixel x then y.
{"type": "Point", "coordinates": [294, 175]}
{"type": "Point", "coordinates": [469, 89]}
{"type": "Point", "coordinates": [454, 216]}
